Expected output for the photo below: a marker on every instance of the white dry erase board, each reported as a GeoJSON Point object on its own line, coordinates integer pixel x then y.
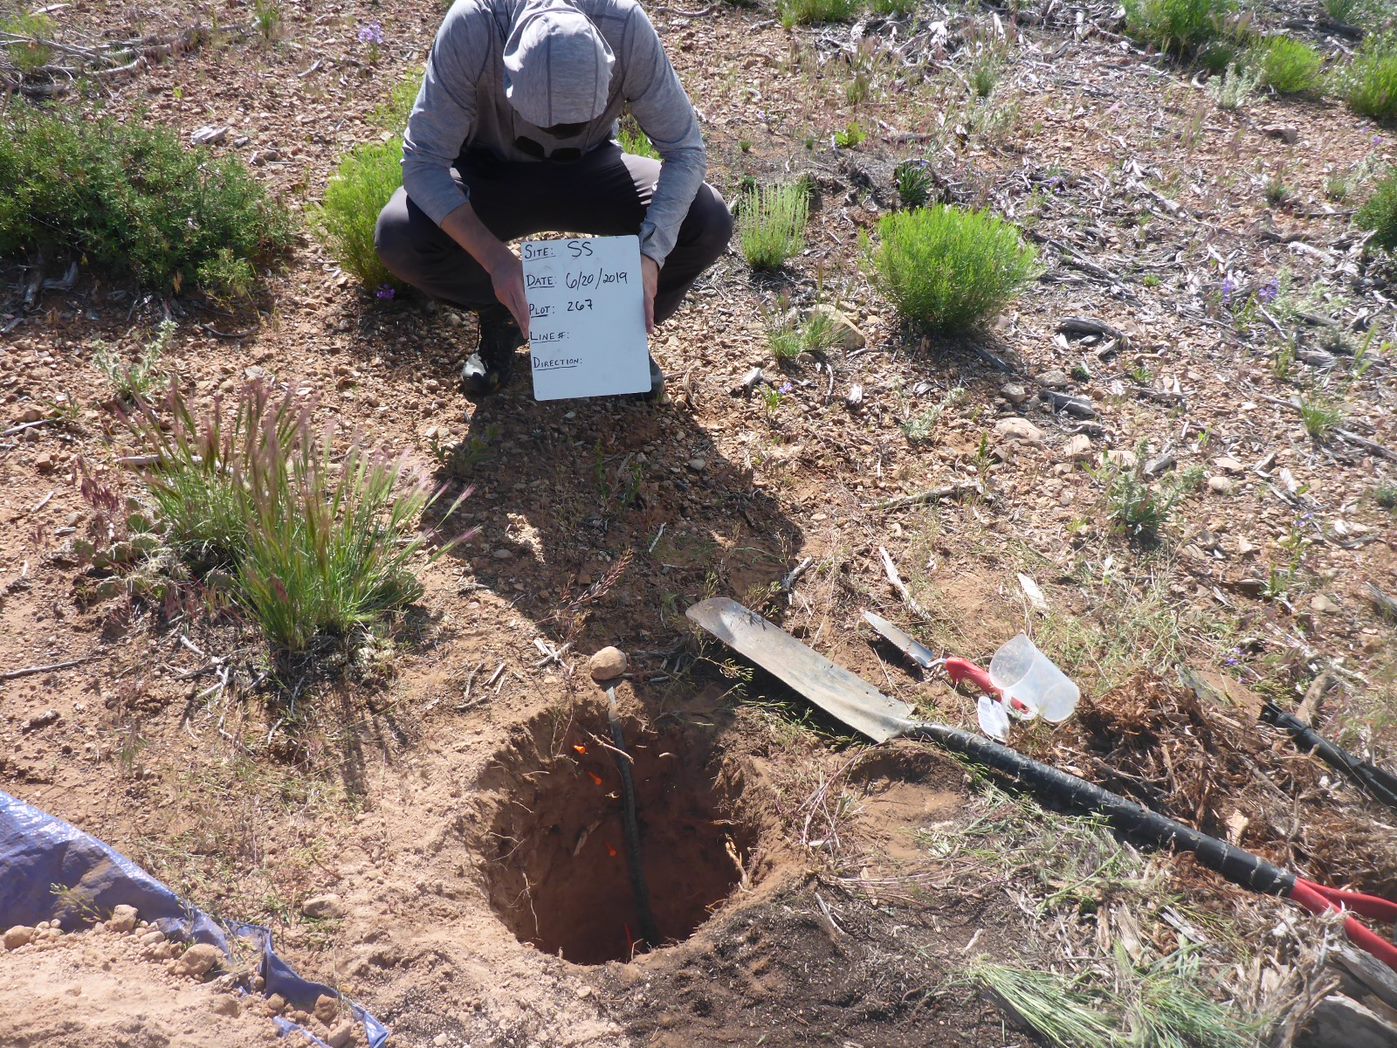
{"type": "Point", "coordinates": [586, 317]}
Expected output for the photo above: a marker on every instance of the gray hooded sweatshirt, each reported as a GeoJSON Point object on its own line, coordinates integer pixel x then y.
{"type": "Point", "coordinates": [462, 105]}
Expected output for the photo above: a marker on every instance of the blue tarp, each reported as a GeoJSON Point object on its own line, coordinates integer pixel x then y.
{"type": "Point", "coordinates": [51, 870]}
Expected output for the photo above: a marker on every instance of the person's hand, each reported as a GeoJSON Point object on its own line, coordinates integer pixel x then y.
{"type": "Point", "coordinates": [507, 278]}
{"type": "Point", "coordinates": [650, 279]}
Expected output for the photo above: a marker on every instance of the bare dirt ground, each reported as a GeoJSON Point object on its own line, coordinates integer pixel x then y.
{"type": "Point", "coordinates": [439, 794]}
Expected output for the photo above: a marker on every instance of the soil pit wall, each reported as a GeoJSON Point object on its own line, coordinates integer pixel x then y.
{"type": "Point", "coordinates": [556, 870]}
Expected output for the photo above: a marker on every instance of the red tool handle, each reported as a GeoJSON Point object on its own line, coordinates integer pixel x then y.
{"type": "Point", "coordinates": [1320, 900]}
{"type": "Point", "coordinates": [961, 670]}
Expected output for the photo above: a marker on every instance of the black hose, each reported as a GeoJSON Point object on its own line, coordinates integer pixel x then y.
{"type": "Point", "coordinates": [648, 932]}
{"type": "Point", "coordinates": [1380, 784]}
{"type": "Point", "coordinates": [1238, 866]}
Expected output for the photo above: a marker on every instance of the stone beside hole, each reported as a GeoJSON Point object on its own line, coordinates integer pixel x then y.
{"type": "Point", "coordinates": [556, 869]}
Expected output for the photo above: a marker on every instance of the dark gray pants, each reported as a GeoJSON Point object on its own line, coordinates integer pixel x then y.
{"type": "Point", "coordinates": [605, 192]}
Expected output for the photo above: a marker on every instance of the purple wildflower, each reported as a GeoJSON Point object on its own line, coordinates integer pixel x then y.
{"type": "Point", "coordinates": [1228, 287]}
{"type": "Point", "coordinates": [370, 33]}
{"type": "Point", "coordinates": [786, 387]}
{"type": "Point", "coordinates": [1270, 291]}
{"type": "Point", "coordinates": [386, 292]}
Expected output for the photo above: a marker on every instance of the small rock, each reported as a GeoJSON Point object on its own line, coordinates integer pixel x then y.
{"type": "Point", "coordinates": [209, 135]}
{"type": "Point", "coordinates": [41, 720]}
{"type": "Point", "coordinates": [200, 959]}
{"type": "Point", "coordinates": [123, 919]}
{"type": "Point", "coordinates": [276, 1004]}
{"type": "Point", "coordinates": [1228, 464]}
{"type": "Point", "coordinates": [225, 1004]}
{"type": "Point", "coordinates": [608, 664]}
{"type": "Point", "coordinates": [698, 465]}
{"type": "Point", "coordinates": [503, 553]}
{"type": "Point", "coordinates": [326, 1008]}
{"type": "Point", "coordinates": [1221, 485]}
{"type": "Point", "coordinates": [323, 906]}
{"type": "Point", "coordinates": [1121, 458]}
{"type": "Point", "coordinates": [440, 1040]}
{"type": "Point", "coordinates": [19, 935]}
{"type": "Point", "coordinates": [1284, 132]}
{"type": "Point", "coordinates": [846, 333]}
{"type": "Point", "coordinates": [256, 374]}
{"type": "Point", "coordinates": [46, 462]}
{"type": "Point", "coordinates": [1078, 448]}
{"type": "Point", "coordinates": [341, 1035]}
{"type": "Point", "coordinates": [1054, 380]}
{"type": "Point", "coordinates": [1322, 605]}
{"type": "Point", "coordinates": [1014, 393]}
{"type": "Point", "coordinates": [1018, 429]}
{"type": "Point", "coordinates": [29, 415]}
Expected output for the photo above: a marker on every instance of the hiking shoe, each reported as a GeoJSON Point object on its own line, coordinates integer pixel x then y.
{"type": "Point", "coordinates": [489, 367]}
{"type": "Point", "coordinates": [657, 384]}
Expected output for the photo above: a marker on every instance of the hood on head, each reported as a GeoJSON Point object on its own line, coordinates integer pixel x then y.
{"type": "Point", "coordinates": [557, 66]}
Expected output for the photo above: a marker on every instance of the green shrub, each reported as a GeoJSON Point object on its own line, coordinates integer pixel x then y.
{"type": "Point", "coordinates": [635, 141]}
{"type": "Point", "coordinates": [947, 269]}
{"type": "Point", "coordinates": [358, 190]}
{"type": "Point", "coordinates": [1372, 79]}
{"type": "Point", "coordinates": [1289, 66]}
{"type": "Point", "coordinates": [1380, 213]}
{"type": "Point", "coordinates": [1180, 27]}
{"type": "Point", "coordinates": [893, 8]}
{"type": "Point", "coordinates": [35, 52]}
{"type": "Point", "coordinates": [132, 200]}
{"type": "Point", "coordinates": [771, 224]}
{"type": "Point", "coordinates": [308, 542]}
{"type": "Point", "coordinates": [1234, 88]}
{"type": "Point", "coordinates": [809, 12]}
{"type": "Point", "coordinates": [851, 137]}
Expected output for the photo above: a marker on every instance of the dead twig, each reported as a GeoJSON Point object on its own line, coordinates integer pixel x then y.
{"type": "Point", "coordinates": [29, 671]}
{"type": "Point", "coordinates": [934, 495]}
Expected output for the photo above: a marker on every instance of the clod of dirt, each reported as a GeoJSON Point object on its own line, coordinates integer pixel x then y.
{"type": "Point", "coordinates": [323, 906]}
{"type": "Point", "coordinates": [556, 852]}
{"type": "Point", "coordinates": [198, 960]}
{"type": "Point", "coordinates": [18, 936]}
{"type": "Point", "coordinates": [123, 919]}
{"type": "Point", "coordinates": [608, 664]}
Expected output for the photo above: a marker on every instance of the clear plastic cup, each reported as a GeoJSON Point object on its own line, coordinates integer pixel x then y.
{"type": "Point", "coordinates": [1022, 672]}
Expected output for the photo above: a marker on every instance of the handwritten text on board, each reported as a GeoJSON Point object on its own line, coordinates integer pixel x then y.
{"type": "Point", "coordinates": [586, 317]}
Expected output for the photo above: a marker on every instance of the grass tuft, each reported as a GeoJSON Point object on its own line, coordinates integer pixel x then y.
{"type": "Point", "coordinates": [1234, 88]}
{"type": "Point", "coordinates": [949, 270]}
{"type": "Point", "coordinates": [1379, 213]}
{"type": "Point", "coordinates": [811, 12]}
{"type": "Point", "coordinates": [635, 141]}
{"type": "Point", "coordinates": [1321, 416]}
{"type": "Point", "coordinates": [310, 543]}
{"type": "Point", "coordinates": [132, 200]}
{"type": "Point", "coordinates": [1289, 66]}
{"type": "Point", "coordinates": [771, 224]}
{"type": "Point", "coordinates": [365, 180]}
{"type": "Point", "coordinates": [790, 338]}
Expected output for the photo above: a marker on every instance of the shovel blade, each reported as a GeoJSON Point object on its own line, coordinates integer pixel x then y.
{"type": "Point", "coordinates": [846, 697]}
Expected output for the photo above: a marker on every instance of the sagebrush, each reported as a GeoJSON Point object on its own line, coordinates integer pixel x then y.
{"type": "Point", "coordinates": [345, 220]}
{"type": "Point", "coordinates": [948, 270]}
{"type": "Point", "coordinates": [130, 199]}
{"type": "Point", "coordinates": [310, 540]}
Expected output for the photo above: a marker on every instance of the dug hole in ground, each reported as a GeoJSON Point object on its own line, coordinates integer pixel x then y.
{"type": "Point", "coordinates": [433, 823]}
